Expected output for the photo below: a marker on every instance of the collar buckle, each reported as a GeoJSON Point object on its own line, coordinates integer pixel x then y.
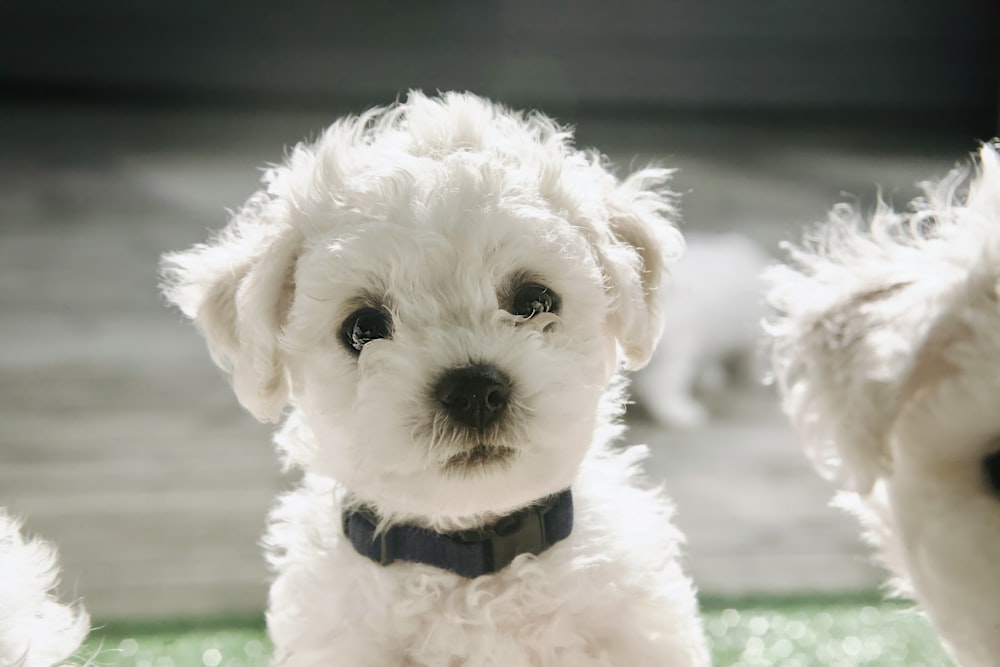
{"type": "Point", "coordinates": [527, 535]}
{"type": "Point", "coordinates": [386, 555]}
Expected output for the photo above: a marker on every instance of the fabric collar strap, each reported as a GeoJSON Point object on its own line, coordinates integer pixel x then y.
{"type": "Point", "coordinates": [469, 553]}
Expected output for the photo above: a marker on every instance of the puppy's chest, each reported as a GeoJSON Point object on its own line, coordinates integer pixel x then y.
{"type": "Point", "coordinates": [510, 623]}
{"type": "Point", "coordinates": [552, 616]}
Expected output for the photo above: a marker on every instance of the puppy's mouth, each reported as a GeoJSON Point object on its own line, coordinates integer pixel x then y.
{"type": "Point", "coordinates": [478, 457]}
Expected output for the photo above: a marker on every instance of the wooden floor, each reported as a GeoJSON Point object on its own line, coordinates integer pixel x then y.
{"type": "Point", "coordinates": [120, 441]}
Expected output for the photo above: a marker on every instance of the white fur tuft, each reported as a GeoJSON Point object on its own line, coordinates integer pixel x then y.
{"type": "Point", "coordinates": [36, 630]}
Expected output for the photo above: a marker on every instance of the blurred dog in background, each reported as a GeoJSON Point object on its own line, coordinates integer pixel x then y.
{"type": "Point", "coordinates": [713, 310]}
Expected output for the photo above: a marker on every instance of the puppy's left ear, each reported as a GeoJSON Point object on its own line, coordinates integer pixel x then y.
{"type": "Point", "coordinates": [643, 240]}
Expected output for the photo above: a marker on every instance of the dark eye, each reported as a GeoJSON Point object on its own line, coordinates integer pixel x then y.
{"type": "Point", "coordinates": [363, 326]}
{"type": "Point", "coordinates": [531, 299]}
{"type": "Point", "coordinates": [991, 472]}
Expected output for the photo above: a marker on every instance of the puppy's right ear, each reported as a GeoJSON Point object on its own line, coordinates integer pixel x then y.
{"type": "Point", "coordinates": [238, 289]}
{"type": "Point", "coordinates": [642, 240]}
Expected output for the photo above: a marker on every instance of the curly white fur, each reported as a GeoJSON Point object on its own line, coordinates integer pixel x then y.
{"type": "Point", "coordinates": [886, 349]}
{"type": "Point", "coordinates": [36, 629]}
{"type": "Point", "coordinates": [435, 211]}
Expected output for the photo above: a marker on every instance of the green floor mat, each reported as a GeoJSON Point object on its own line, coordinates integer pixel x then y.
{"type": "Point", "coordinates": [857, 631]}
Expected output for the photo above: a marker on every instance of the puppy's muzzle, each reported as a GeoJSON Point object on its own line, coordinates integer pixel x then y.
{"type": "Point", "coordinates": [474, 396]}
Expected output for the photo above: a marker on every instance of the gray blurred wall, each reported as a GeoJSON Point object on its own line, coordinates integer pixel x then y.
{"type": "Point", "coordinates": [888, 56]}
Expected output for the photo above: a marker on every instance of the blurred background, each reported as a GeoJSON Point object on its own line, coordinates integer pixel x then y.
{"type": "Point", "coordinates": [128, 129]}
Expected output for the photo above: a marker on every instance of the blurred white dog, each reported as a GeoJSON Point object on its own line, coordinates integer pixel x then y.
{"type": "Point", "coordinates": [36, 629]}
{"type": "Point", "coordinates": [441, 292]}
{"type": "Point", "coordinates": [887, 350]}
{"type": "Point", "coordinates": [713, 312]}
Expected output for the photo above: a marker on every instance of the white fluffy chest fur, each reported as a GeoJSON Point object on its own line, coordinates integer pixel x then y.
{"type": "Point", "coordinates": [612, 594]}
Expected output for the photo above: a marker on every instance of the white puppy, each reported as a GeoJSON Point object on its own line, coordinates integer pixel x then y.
{"type": "Point", "coordinates": [36, 629]}
{"type": "Point", "coordinates": [441, 292]}
{"type": "Point", "coordinates": [887, 350]}
{"type": "Point", "coordinates": [713, 312]}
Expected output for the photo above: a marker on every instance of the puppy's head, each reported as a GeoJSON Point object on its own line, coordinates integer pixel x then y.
{"type": "Point", "coordinates": [887, 351]}
{"type": "Point", "coordinates": [441, 290]}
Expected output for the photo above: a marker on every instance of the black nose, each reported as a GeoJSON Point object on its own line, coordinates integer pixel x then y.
{"type": "Point", "coordinates": [475, 396]}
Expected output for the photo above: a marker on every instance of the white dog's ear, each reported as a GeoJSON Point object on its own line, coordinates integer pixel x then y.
{"type": "Point", "coordinates": [643, 240]}
{"type": "Point", "coordinates": [238, 289]}
{"type": "Point", "coordinates": [840, 366]}
{"type": "Point", "coordinates": [851, 315]}
{"type": "Point", "coordinates": [862, 315]}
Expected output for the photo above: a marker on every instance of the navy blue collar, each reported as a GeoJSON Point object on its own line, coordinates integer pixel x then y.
{"type": "Point", "coordinates": [469, 553]}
